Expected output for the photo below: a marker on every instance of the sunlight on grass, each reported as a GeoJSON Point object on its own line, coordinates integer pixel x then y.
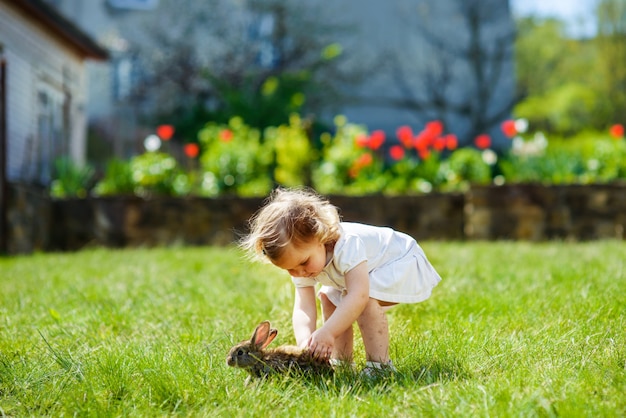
{"type": "Point", "coordinates": [514, 329]}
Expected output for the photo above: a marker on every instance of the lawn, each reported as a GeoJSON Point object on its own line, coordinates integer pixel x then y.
{"type": "Point", "coordinates": [514, 329]}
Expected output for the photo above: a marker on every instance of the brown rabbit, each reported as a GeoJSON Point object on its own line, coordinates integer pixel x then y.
{"type": "Point", "coordinates": [259, 362]}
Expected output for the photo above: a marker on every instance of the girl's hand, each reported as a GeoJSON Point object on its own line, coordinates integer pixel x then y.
{"type": "Point", "coordinates": [321, 343]}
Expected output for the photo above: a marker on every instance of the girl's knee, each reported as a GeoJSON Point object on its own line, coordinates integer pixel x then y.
{"type": "Point", "coordinates": [373, 312]}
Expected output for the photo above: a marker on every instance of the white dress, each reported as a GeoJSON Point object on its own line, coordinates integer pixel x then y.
{"type": "Point", "coordinates": [398, 268]}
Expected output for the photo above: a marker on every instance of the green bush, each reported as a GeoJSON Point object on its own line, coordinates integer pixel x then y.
{"type": "Point", "coordinates": [158, 173]}
{"type": "Point", "coordinates": [550, 168]}
{"type": "Point", "coordinates": [234, 160]}
{"type": "Point", "coordinates": [466, 166]}
{"type": "Point", "coordinates": [148, 174]}
{"type": "Point", "coordinates": [118, 179]}
{"type": "Point", "coordinates": [586, 158]}
{"type": "Point", "coordinates": [605, 159]}
{"type": "Point", "coordinates": [71, 180]}
{"type": "Point", "coordinates": [566, 109]}
{"type": "Point", "coordinates": [293, 152]}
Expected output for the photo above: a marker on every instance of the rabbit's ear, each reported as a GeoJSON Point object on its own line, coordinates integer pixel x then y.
{"type": "Point", "coordinates": [273, 333]}
{"type": "Point", "coordinates": [262, 335]}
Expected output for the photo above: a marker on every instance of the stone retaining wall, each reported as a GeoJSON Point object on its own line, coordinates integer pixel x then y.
{"type": "Point", "coordinates": [28, 219]}
{"type": "Point", "coordinates": [536, 212]}
{"type": "Point", "coordinates": [512, 212]}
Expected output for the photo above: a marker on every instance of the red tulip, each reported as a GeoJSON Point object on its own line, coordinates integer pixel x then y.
{"type": "Point", "coordinates": [434, 128]}
{"type": "Point", "coordinates": [617, 131]}
{"type": "Point", "coordinates": [439, 143]}
{"type": "Point", "coordinates": [452, 142]}
{"type": "Point", "coordinates": [377, 139]}
{"type": "Point", "coordinates": [424, 153]}
{"type": "Point", "coordinates": [405, 135]}
{"type": "Point", "coordinates": [191, 150]}
{"type": "Point", "coordinates": [165, 132]}
{"type": "Point", "coordinates": [422, 140]}
{"type": "Point", "coordinates": [363, 161]}
{"type": "Point", "coordinates": [483, 141]}
{"type": "Point", "coordinates": [508, 127]}
{"type": "Point", "coordinates": [396, 152]}
{"type": "Point", "coordinates": [226, 135]}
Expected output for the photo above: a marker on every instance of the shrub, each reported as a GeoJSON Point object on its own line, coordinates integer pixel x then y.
{"type": "Point", "coordinates": [158, 173]}
{"type": "Point", "coordinates": [466, 166]}
{"type": "Point", "coordinates": [118, 179]}
{"type": "Point", "coordinates": [71, 179]}
{"type": "Point", "coordinates": [151, 173]}
{"type": "Point", "coordinates": [233, 160]}
{"type": "Point", "coordinates": [586, 158]}
{"type": "Point", "coordinates": [293, 153]}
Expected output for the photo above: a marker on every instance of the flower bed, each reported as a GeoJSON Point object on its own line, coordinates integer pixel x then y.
{"type": "Point", "coordinates": [236, 159]}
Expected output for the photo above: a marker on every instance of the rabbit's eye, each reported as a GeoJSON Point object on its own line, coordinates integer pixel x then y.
{"type": "Point", "coordinates": [240, 352]}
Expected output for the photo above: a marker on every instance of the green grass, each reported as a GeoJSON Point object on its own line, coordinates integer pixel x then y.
{"type": "Point", "coordinates": [514, 329]}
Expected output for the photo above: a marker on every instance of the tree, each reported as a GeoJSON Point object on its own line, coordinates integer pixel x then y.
{"type": "Point", "coordinates": [612, 58]}
{"type": "Point", "coordinates": [540, 54]}
{"type": "Point", "coordinates": [557, 77]}
{"type": "Point", "coordinates": [467, 78]}
{"type": "Point", "coordinates": [260, 60]}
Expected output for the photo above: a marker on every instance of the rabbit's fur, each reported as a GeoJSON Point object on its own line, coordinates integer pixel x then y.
{"type": "Point", "coordinates": [253, 356]}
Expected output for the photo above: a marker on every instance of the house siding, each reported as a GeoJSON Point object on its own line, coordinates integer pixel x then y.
{"type": "Point", "coordinates": [36, 60]}
{"type": "Point", "coordinates": [393, 38]}
{"type": "Point", "coordinates": [19, 122]}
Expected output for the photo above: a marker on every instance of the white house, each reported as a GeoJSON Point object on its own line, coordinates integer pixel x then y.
{"type": "Point", "coordinates": [44, 91]}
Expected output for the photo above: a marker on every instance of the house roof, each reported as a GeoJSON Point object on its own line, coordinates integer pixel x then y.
{"type": "Point", "coordinates": [62, 28]}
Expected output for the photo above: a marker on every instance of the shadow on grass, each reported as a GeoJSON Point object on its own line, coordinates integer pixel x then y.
{"type": "Point", "coordinates": [353, 381]}
{"type": "Point", "coordinates": [415, 376]}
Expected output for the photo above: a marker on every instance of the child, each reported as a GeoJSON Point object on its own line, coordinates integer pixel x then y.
{"type": "Point", "coordinates": [363, 270]}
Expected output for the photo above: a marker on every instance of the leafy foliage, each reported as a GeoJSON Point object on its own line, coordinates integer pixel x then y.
{"type": "Point", "coordinates": [587, 159]}
{"type": "Point", "coordinates": [234, 160]}
{"type": "Point", "coordinates": [151, 173]}
{"type": "Point", "coordinates": [572, 84]}
{"type": "Point", "coordinates": [293, 152]}
{"type": "Point", "coordinates": [71, 179]}
{"type": "Point", "coordinates": [118, 179]}
{"type": "Point", "coordinates": [467, 166]}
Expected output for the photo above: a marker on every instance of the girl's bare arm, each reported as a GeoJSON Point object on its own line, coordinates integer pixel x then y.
{"type": "Point", "coordinates": [350, 308]}
{"type": "Point", "coordinates": [304, 317]}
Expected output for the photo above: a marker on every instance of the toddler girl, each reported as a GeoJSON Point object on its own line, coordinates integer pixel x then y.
{"type": "Point", "coordinates": [363, 270]}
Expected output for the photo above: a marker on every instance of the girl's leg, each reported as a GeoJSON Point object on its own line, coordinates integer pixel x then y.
{"type": "Point", "coordinates": [375, 332]}
{"type": "Point", "coordinates": [345, 342]}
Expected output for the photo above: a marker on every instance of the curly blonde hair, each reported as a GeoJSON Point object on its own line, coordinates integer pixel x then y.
{"type": "Point", "coordinates": [290, 216]}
